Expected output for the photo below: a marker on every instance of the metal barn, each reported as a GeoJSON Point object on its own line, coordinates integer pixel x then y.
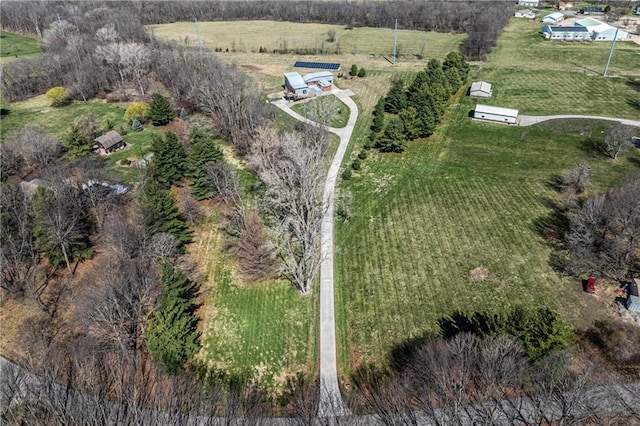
{"type": "Point", "coordinates": [497, 114]}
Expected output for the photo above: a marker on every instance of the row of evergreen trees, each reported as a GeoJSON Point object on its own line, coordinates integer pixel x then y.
{"type": "Point", "coordinates": [171, 336]}
{"type": "Point", "coordinates": [415, 108]}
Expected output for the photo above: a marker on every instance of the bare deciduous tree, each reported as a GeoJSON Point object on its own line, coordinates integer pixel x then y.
{"type": "Point", "coordinates": [293, 173]}
{"type": "Point", "coordinates": [618, 139]}
{"type": "Point", "coordinates": [224, 181]}
{"type": "Point", "coordinates": [254, 254]}
{"type": "Point", "coordinates": [189, 208]}
{"type": "Point", "coordinates": [38, 148]}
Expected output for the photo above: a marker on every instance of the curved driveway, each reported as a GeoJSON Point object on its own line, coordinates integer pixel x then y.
{"type": "Point", "coordinates": [331, 403]}
{"type": "Point", "coordinates": [528, 120]}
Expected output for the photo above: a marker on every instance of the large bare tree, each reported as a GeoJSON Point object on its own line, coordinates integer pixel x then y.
{"type": "Point", "coordinates": [291, 167]}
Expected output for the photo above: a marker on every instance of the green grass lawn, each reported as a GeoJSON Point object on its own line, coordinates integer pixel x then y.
{"type": "Point", "coordinates": [13, 46]}
{"type": "Point", "coordinates": [423, 220]}
{"type": "Point", "coordinates": [340, 114]}
{"type": "Point", "coordinates": [264, 332]}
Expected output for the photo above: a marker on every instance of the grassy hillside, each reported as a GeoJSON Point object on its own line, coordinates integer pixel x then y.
{"type": "Point", "coordinates": [473, 196]}
{"type": "Point", "coordinates": [13, 46]}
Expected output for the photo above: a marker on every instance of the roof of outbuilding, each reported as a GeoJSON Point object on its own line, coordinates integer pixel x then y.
{"type": "Point", "coordinates": [295, 80]}
{"type": "Point", "coordinates": [481, 86]}
{"type": "Point", "coordinates": [317, 76]}
{"type": "Point", "coordinates": [575, 29]}
{"type": "Point", "coordinates": [488, 109]}
{"type": "Point", "coordinates": [589, 22]}
{"type": "Point", "coordinates": [555, 15]}
{"type": "Point", "coordinates": [109, 139]}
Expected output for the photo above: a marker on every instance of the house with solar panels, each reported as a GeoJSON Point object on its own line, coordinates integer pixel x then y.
{"type": "Point", "coordinates": [319, 81]}
{"type": "Point", "coordinates": [295, 87]}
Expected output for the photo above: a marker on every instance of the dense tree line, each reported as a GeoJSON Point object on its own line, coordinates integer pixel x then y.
{"type": "Point", "coordinates": [417, 107]}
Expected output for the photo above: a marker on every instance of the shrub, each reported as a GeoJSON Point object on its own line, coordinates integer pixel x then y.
{"type": "Point", "coordinates": [362, 72]}
{"type": "Point", "coordinates": [137, 111]}
{"type": "Point", "coordinates": [125, 162]}
{"type": "Point", "coordinates": [136, 125]}
{"type": "Point", "coordinates": [57, 96]}
{"type": "Point", "coordinates": [354, 70]}
{"type": "Point", "coordinates": [346, 175]}
{"type": "Point", "coordinates": [355, 164]}
{"type": "Point", "coordinates": [363, 155]}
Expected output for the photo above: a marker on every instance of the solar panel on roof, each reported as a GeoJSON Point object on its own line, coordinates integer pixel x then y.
{"type": "Point", "coordinates": [317, 65]}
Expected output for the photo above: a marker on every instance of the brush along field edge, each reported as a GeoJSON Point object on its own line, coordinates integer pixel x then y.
{"type": "Point", "coordinates": [330, 398]}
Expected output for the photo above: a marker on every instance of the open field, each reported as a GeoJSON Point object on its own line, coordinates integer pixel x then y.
{"type": "Point", "coordinates": [14, 46]}
{"type": "Point", "coordinates": [263, 333]}
{"type": "Point", "coordinates": [474, 195]}
{"type": "Point", "coordinates": [521, 47]}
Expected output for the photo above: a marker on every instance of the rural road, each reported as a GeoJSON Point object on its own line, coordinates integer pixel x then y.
{"type": "Point", "coordinates": [331, 403]}
{"type": "Point", "coordinates": [528, 120]}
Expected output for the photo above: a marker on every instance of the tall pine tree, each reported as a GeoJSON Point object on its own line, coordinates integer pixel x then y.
{"type": "Point", "coordinates": [204, 152]}
{"type": "Point", "coordinates": [393, 139]}
{"type": "Point", "coordinates": [169, 159]}
{"type": "Point", "coordinates": [160, 111]}
{"type": "Point", "coordinates": [378, 116]}
{"type": "Point", "coordinates": [77, 143]}
{"type": "Point", "coordinates": [396, 99]}
{"type": "Point", "coordinates": [171, 332]}
{"type": "Point", "coordinates": [161, 214]}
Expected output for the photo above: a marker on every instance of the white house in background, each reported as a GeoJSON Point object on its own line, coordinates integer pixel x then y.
{"type": "Point", "coordinates": [553, 18]}
{"type": "Point", "coordinates": [529, 3]}
{"type": "Point", "coordinates": [600, 31]}
{"type": "Point", "coordinates": [576, 33]}
{"type": "Point", "coordinates": [480, 89]}
{"type": "Point", "coordinates": [498, 114]}
{"type": "Point", "coordinates": [525, 13]}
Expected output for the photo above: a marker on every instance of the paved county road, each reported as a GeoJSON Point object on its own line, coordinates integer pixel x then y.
{"type": "Point", "coordinates": [331, 403]}
{"type": "Point", "coordinates": [528, 120]}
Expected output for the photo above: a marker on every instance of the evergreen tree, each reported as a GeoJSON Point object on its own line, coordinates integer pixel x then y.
{"type": "Point", "coordinates": [362, 72]}
{"type": "Point", "coordinates": [205, 151]}
{"type": "Point", "coordinates": [396, 99]}
{"type": "Point", "coordinates": [76, 143]}
{"type": "Point", "coordinates": [354, 70]}
{"type": "Point", "coordinates": [171, 333]}
{"type": "Point", "coordinates": [169, 159]}
{"type": "Point", "coordinates": [160, 111]}
{"type": "Point", "coordinates": [453, 77]}
{"type": "Point", "coordinates": [458, 61]}
{"type": "Point", "coordinates": [136, 125]}
{"type": "Point", "coordinates": [438, 84]}
{"type": "Point", "coordinates": [161, 214]}
{"type": "Point", "coordinates": [393, 139]}
{"type": "Point", "coordinates": [412, 123]}
{"type": "Point", "coordinates": [428, 113]}
{"type": "Point", "coordinates": [183, 115]}
{"type": "Point", "coordinates": [60, 226]}
{"type": "Point", "coordinates": [378, 116]}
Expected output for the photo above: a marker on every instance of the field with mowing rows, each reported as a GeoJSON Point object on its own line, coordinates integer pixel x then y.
{"type": "Point", "coordinates": [264, 333]}
{"type": "Point", "coordinates": [14, 46]}
{"type": "Point", "coordinates": [474, 195]}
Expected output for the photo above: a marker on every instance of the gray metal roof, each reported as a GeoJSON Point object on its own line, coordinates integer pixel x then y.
{"type": "Point", "coordinates": [481, 86]}
{"type": "Point", "coordinates": [295, 80]}
{"type": "Point", "coordinates": [488, 109]}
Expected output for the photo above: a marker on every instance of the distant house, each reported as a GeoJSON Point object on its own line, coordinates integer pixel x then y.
{"type": "Point", "coordinates": [498, 114]}
{"type": "Point", "coordinates": [480, 89]}
{"type": "Point", "coordinates": [553, 18]}
{"type": "Point", "coordinates": [525, 13]}
{"type": "Point", "coordinates": [565, 5]}
{"type": "Point", "coordinates": [575, 33]}
{"type": "Point", "coordinates": [529, 3]}
{"type": "Point", "coordinates": [638, 10]}
{"type": "Point", "coordinates": [591, 9]}
{"type": "Point", "coordinates": [108, 142]}
{"type": "Point", "coordinates": [295, 87]}
{"type": "Point", "coordinates": [319, 81]}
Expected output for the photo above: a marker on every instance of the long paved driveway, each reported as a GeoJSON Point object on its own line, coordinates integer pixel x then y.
{"type": "Point", "coordinates": [331, 403]}
{"type": "Point", "coordinates": [528, 120]}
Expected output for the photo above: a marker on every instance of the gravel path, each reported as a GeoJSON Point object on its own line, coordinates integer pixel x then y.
{"type": "Point", "coordinates": [331, 403]}
{"type": "Point", "coordinates": [528, 120]}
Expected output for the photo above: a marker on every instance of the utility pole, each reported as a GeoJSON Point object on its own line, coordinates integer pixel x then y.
{"type": "Point", "coordinates": [395, 41]}
{"type": "Point", "coordinates": [613, 43]}
{"type": "Point", "coordinates": [198, 34]}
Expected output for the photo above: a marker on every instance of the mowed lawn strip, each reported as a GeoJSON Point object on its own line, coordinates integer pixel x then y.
{"type": "Point", "coordinates": [423, 220]}
{"type": "Point", "coordinates": [263, 332]}
{"type": "Point", "coordinates": [13, 46]}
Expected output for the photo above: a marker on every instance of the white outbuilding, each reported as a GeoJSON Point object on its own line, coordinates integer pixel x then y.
{"type": "Point", "coordinates": [480, 89]}
{"type": "Point", "coordinates": [498, 114]}
{"type": "Point", "coordinates": [553, 18]}
{"type": "Point", "coordinates": [608, 34]}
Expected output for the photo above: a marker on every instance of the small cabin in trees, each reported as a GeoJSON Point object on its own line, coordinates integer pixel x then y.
{"type": "Point", "coordinates": [497, 114]}
{"type": "Point", "coordinates": [109, 142]}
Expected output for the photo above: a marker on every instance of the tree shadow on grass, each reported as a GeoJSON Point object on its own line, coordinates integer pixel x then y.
{"type": "Point", "coordinates": [593, 145]}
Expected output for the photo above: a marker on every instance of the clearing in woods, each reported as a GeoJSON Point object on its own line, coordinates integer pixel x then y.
{"type": "Point", "coordinates": [14, 46]}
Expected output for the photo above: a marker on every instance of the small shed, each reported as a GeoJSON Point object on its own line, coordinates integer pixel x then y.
{"type": "Point", "coordinates": [295, 86]}
{"type": "Point", "coordinates": [480, 89]}
{"type": "Point", "coordinates": [497, 114]}
{"type": "Point", "coordinates": [553, 18]}
{"type": "Point", "coordinates": [323, 80]}
{"type": "Point", "coordinates": [108, 142]}
{"type": "Point", "coordinates": [525, 13]}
